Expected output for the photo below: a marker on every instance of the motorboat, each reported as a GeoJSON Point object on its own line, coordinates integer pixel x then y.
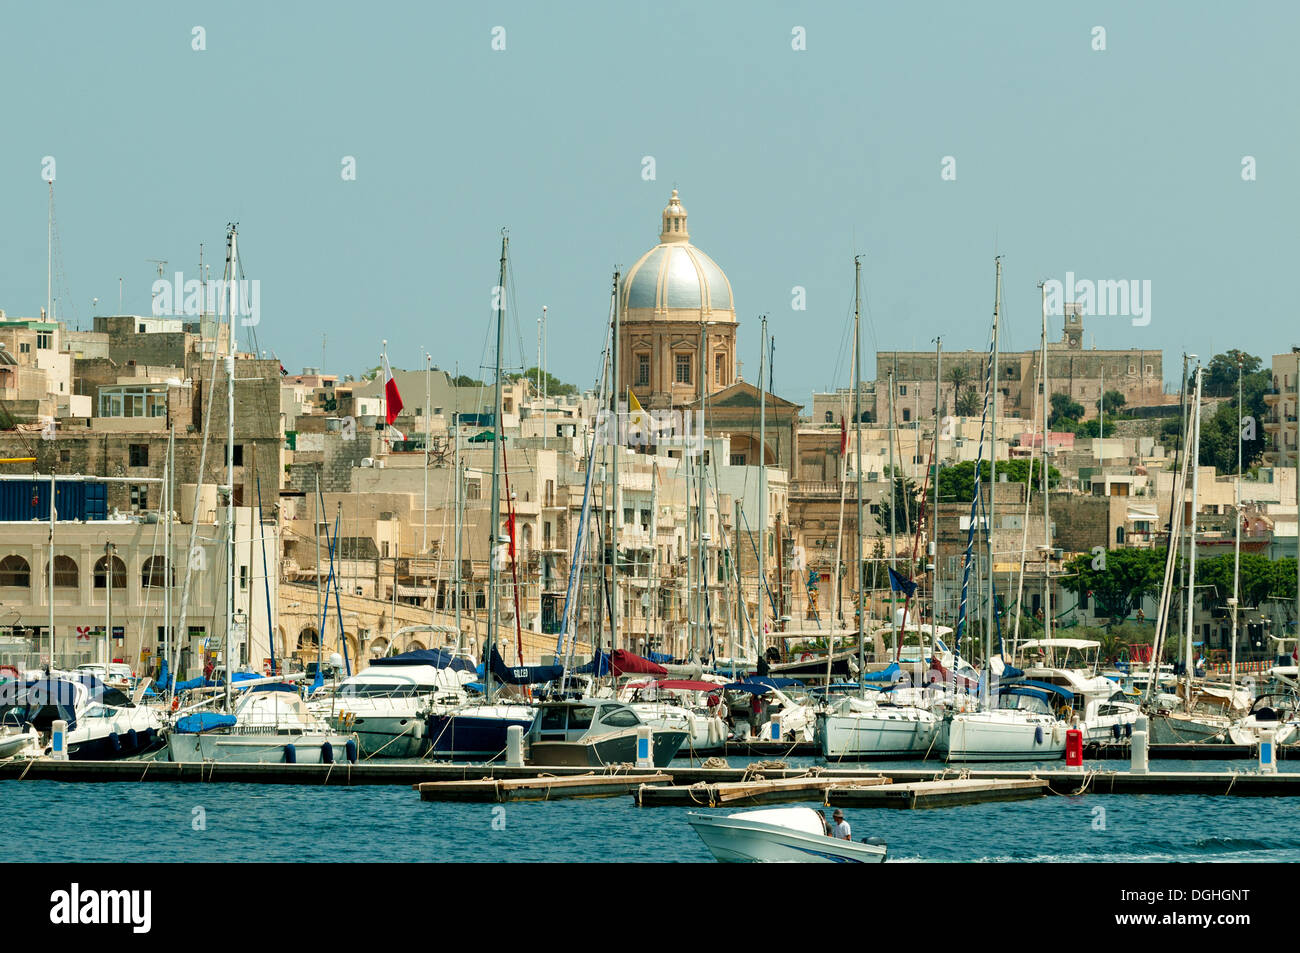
{"type": "Point", "coordinates": [1275, 710]}
{"type": "Point", "coordinates": [780, 835]}
{"type": "Point", "coordinates": [680, 704]}
{"type": "Point", "coordinates": [271, 724]}
{"type": "Point", "coordinates": [862, 732]}
{"type": "Point", "coordinates": [1023, 727]}
{"type": "Point", "coordinates": [19, 741]}
{"type": "Point", "coordinates": [1110, 719]}
{"type": "Point", "coordinates": [388, 704]}
{"type": "Point", "coordinates": [103, 724]}
{"type": "Point", "coordinates": [594, 732]}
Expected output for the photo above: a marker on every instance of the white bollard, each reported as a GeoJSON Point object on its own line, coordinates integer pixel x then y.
{"type": "Point", "coordinates": [776, 727]}
{"type": "Point", "coordinates": [1267, 750]}
{"type": "Point", "coordinates": [515, 746]}
{"type": "Point", "coordinates": [1138, 752]}
{"type": "Point", "coordinates": [645, 747]}
{"type": "Point", "coordinates": [59, 740]}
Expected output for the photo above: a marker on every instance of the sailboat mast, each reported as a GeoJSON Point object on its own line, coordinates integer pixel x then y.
{"type": "Point", "coordinates": [455, 436]}
{"type": "Point", "coordinates": [495, 517]}
{"type": "Point", "coordinates": [762, 486]}
{"type": "Point", "coordinates": [1193, 460]}
{"type": "Point", "coordinates": [1236, 561]}
{"type": "Point", "coordinates": [857, 470]}
{"type": "Point", "coordinates": [993, 471]}
{"type": "Point", "coordinates": [232, 259]}
{"type": "Point", "coordinates": [934, 510]}
{"type": "Point", "coordinates": [1047, 504]}
{"type": "Point", "coordinates": [616, 512]}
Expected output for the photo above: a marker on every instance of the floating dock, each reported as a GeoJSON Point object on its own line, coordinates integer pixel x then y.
{"type": "Point", "coordinates": [737, 793]}
{"type": "Point", "coordinates": [946, 793]}
{"type": "Point", "coordinates": [537, 789]}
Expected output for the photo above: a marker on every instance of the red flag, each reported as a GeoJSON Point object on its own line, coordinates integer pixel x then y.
{"type": "Point", "coordinates": [510, 531]}
{"type": "Point", "coordinates": [392, 399]}
{"type": "Point", "coordinates": [844, 436]}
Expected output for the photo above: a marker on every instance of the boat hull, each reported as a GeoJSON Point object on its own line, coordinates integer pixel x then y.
{"type": "Point", "coordinates": [1173, 729]}
{"type": "Point", "coordinates": [386, 736]}
{"type": "Point", "coordinates": [112, 746]}
{"type": "Point", "coordinates": [735, 840]}
{"type": "Point", "coordinates": [881, 734]}
{"type": "Point", "coordinates": [602, 750]}
{"type": "Point", "coordinates": [268, 748]}
{"type": "Point", "coordinates": [457, 735]}
{"type": "Point", "coordinates": [993, 736]}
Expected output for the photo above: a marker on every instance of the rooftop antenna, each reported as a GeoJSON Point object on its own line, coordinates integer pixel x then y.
{"type": "Point", "coordinates": [161, 263]}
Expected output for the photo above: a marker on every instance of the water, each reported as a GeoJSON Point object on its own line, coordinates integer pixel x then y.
{"type": "Point", "coordinates": [62, 821]}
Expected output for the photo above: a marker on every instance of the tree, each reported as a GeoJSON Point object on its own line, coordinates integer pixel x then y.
{"type": "Point", "coordinates": [1120, 580]}
{"type": "Point", "coordinates": [957, 483]}
{"type": "Point", "coordinates": [969, 404]}
{"type": "Point", "coordinates": [1112, 403]}
{"type": "Point", "coordinates": [1220, 431]}
{"type": "Point", "coordinates": [1219, 378]}
{"type": "Point", "coordinates": [905, 506]}
{"type": "Point", "coordinates": [553, 386]}
{"type": "Point", "coordinates": [464, 380]}
{"type": "Point", "coordinates": [965, 398]}
{"type": "Point", "coordinates": [1065, 414]}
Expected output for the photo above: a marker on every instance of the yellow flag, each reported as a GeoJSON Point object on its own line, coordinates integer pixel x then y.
{"type": "Point", "coordinates": [636, 432]}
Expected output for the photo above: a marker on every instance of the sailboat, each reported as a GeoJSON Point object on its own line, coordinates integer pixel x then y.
{"type": "Point", "coordinates": [1019, 722]}
{"type": "Point", "coordinates": [859, 729]}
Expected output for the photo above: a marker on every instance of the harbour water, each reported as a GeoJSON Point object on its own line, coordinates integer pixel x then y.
{"type": "Point", "coordinates": [292, 823]}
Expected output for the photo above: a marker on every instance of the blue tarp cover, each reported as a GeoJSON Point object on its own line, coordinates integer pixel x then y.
{"type": "Point", "coordinates": [438, 658]}
{"type": "Point", "coordinates": [761, 685]}
{"type": "Point", "coordinates": [201, 721]}
{"type": "Point", "coordinates": [890, 674]}
{"type": "Point", "coordinates": [523, 674]}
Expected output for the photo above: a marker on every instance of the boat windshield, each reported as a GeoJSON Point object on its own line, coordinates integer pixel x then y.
{"type": "Point", "coordinates": [1019, 701]}
{"type": "Point", "coordinates": [382, 690]}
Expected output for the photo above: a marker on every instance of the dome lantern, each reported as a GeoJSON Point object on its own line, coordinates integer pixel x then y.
{"type": "Point", "coordinates": [674, 222]}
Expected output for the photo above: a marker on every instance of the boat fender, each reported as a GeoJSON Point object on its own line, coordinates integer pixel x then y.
{"type": "Point", "coordinates": [115, 741]}
{"type": "Point", "coordinates": [1114, 731]}
{"type": "Point", "coordinates": [1057, 730]}
{"type": "Point", "coordinates": [290, 754]}
{"type": "Point", "coordinates": [327, 753]}
{"type": "Point", "coordinates": [176, 702]}
{"type": "Point", "coordinates": [1128, 730]}
{"type": "Point", "coordinates": [351, 750]}
{"type": "Point", "coordinates": [1038, 734]}
{"type": "Point", "coordinates": [133, 739]}
{"type": "Point", "coordinates": [417, 731]}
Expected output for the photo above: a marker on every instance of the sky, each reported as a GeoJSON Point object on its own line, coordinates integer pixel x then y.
{"type": "Point", "coordinates": [926, 137]}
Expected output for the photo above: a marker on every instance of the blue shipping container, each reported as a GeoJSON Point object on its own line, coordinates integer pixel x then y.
{"type": "Point", "coordinates": [22, 501]}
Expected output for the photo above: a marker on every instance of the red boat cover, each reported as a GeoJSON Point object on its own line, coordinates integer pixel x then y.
{"type": "Point", "coordinates": [685, 685]}
{"type": "Point", "coordinates": [623, 662]}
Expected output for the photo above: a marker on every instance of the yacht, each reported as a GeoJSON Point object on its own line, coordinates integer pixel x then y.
{"type": "Point", "coordinates": [270, 724]}
{"type": "Point", "coordinates": [780, 835]}
{"type": "Point", "coordinates": [1023, 727]}
{"type": "Point", "coordinates": [863, 729]}
{"type": "Point", "coordinates": [388, 704]}
{"type": "Point", "coordinates": [475, 730]}
{"type": "Point", "coordinates": [103, 723]}
{"type": "Point", "coordinates": [594, 732]}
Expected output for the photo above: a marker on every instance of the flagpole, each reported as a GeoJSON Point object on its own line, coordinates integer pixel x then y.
{"type": "Point", "coordinates": [383, 396]}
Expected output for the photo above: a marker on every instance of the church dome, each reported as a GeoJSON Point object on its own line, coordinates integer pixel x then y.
{"type": "Point", "coordinates": [675, 280]}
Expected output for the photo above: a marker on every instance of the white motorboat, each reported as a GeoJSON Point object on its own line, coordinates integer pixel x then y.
{"type": "Point", "coordinates": [1110, 719]}
{"type": "Point", "coordinates": [861, 732]}
{"type": "Point", "coordinates": [103, 724]}
{"type": "Point", "coordinates": [590, 732]}
{"type": "Point", "coordinates": [270, 724]}
{"type": "Point", "coordinates": [680, 705]}
{"type": "Point", "coordinates": [779, 835]}
{"type": "Point", "coordinates": [19, 741]}
{"type": "Point", "coordinates": [388, 704]}
{"type": "Point", "coordinates": [1276, 711]}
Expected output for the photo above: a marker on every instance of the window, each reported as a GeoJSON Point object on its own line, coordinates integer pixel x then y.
{"type": "Point", "coordinates": [101, 570]}
{"type": "Point", "coordinates": [643, 370]}
{"type": "Point", "coordinates": [139, 496]}
{"type": "Point", "coordinates": [907, 415]}
{"type": "Point", "coordinates": [719, 368]}
{"type": "Point", "coordinates": [243, 578]}
{"type": "Point", "coordinates": [473, 489]}
{"type": "Point", "coordinates": [24, 347]}
{"type": "Point", "coordinates": [44, 340]}
{"type": "Point", "coordinates": [15, 571]}
{"type": "Point", "coordinates": [154, 575]}
{"type": "Point", "coordinates": [902, 390]}
{"type": "Point", "coordinates": [737, 459]}
{"type": "Point", "coordinates": [683, 368]}
{"type": "Point", "coordinates": [66, 574]}
{"type": "Point", "coordinates": [619, 718]}
{"type": "Point", "coordinates": [139, 454]}
{"type": "Point", "coordinates": [239, 454]}
{"type": "Point", "coordinates": [65, 456]}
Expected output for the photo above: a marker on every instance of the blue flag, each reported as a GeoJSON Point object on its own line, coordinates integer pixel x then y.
{"type": "Point", "coordinates": [899, 584]}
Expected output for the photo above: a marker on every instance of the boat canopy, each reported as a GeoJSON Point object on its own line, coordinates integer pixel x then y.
{"type": "Point", "coordinates": [687, 685]}
{"type": "Point", "coordinates": [523, 674]}
{"type": "Point", "coordinates": [889, 674]}
{"type": "Point", "coordinates": [623, 662]}
{"type": "Point", "coordinates": [1076, 644]}
{"type": "Point", "coordinates": [438, 658]}
{"type": "Point", "coordinates": [1039, 689]}
{"type": "Point", "coordinates": [761, 685]}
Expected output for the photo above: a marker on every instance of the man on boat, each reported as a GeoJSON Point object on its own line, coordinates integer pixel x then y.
{"type": "Point", "coordinates": [840, 829]}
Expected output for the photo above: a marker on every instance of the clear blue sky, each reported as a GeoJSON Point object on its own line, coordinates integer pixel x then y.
{"type": "Point", "coordinates": [1117, 164]}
